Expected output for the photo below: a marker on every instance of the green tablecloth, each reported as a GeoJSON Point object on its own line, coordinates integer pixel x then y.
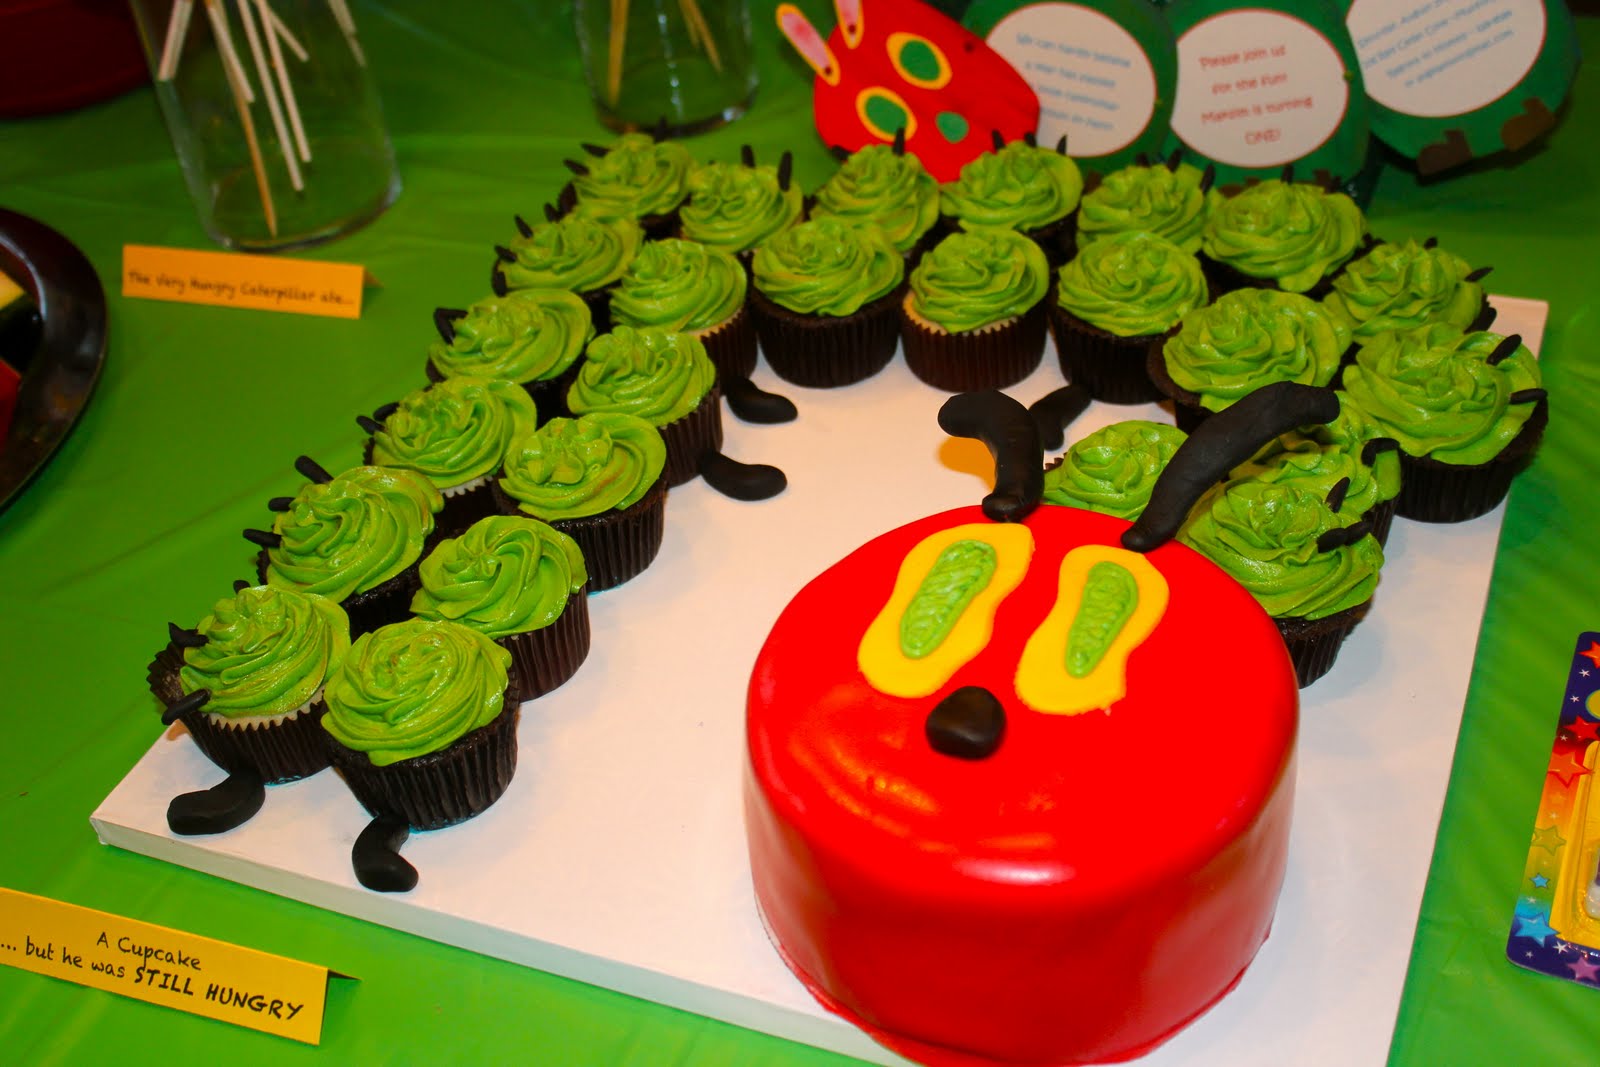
{"type": "Point", "coordinates": [201, 409]}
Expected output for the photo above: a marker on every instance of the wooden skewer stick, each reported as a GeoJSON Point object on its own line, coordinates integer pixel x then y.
{"type": "Point", "coordinates": [254, 40]}
{"type": "Point", "coordinates": [288, 38]}
{"type": "Point", "coordinates": [229, 54]}
{"type": "Point", "coordinates": [619, 39]}
{"type": "Point", "coordinates": [254, 145]}
{"type": "Point", "coordinates": [698, 28]}
{"type": "Point", "coordinates": [290, 104]}
{"type": "Point", "coordinates": [347, 23]}
{"type": "Point", "coordinates": [177, 30]}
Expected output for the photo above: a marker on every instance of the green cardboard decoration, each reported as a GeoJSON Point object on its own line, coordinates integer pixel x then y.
{"type": "Point", "coordinates": [1451, 80]}
{"type": "Point", "coordinates": [1266, 83]}
{"type": "Point", "coordinates": [1105, 71]}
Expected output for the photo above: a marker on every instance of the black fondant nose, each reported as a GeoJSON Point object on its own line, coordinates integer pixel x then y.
{"type": "Point", "coordinates": [967, 724]}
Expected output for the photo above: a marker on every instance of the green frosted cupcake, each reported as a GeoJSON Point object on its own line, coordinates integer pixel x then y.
{"type": "Point", "coordinates": [1019, 187]}
{"type": "Point", "coordinates": [598, 479]}
{"type": "Point", "coordinates": [636, 178]}
{"type": "Point", "coordinates": [1468, 410]}
{"type": "Point", "coordinates": [973, 316]}
{"type": "Point", "coordinates": [736, 208]}
{"type": "Point", "coordinates": [520, 583]}
{"type": "Point", "coordinates": [1405, 286]}
{"type": "Point", "coordinates": [664, 378]}
{"type": "Point", "coordinates": [1172, 202]}
{"type": "Point", "coordinates": [1282, 235]}
{"type": "Point", "coordinates": [532, 336]}
{"type": "Point", "coordinates": [685, 287]}
{"type": "Point", "coordinates": [880, 186]}
{"type": "Point", "coordinates": [1247, 339]}
{"type": "Point", "coordinates": [1313, 575]}
{"type": "Point", "coordinates": [1113, 469]}
{"type": "Point", "coordinates": [1119, 298]}
{"type": "Point", "coordinates": [825, 302]}
{"type": "Point", "coordinates": [578, 253]}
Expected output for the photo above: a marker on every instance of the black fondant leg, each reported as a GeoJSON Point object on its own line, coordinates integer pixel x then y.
{"type": "Point", "coordinates": [376, 857]}
{"type": "Point", "coordinates": [225, 805]}
{"type": "Point", "coordinates": [741, 481]}
{"type": "Point", "coordinates": [751, 403]}
{"type": "Point", "coordinates": [1054, 412]}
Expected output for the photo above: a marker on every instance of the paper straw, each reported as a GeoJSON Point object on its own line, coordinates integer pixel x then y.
{"type": "Point", "coordinates": [177, 30]}
{"type": "Point", "coordinates": [230, 56]}
{"type": "Point", "coordinates": [347, 23]}
{"type": "Point", "coordinates": [281, 69]}
{"type": "Point", "coordinates": [254, 41]}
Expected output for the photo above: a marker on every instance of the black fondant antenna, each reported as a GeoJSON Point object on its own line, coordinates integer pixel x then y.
{"type": "Point", "coordinates": [1006, 428]}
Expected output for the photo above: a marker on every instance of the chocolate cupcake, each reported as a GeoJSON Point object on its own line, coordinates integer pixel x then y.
{"type": "Point", "coordinates": [1021, 187]}
{"type": "Point", "coordinates": [1172, 200]}
{"type": "Point", "coordinates": [422, 726]}
{"type": "Point", "coordinates": [663, 378]}
{"type": "Point", "coordinates": [454, 433]}
{"type": "Point", "coordinates": [532, 337]}
{"type": "Point", "coordinates": [1281, 235]}
{"type": "Point", "coordinates": [637, 177]}
{"type": "Point", "coordinates": [597, 479]}
{"type": "Point", "coordinates": [1113, 470]}
{"type": "Point", "coordinates": [973, 316]}
{"type": "Point", "coordinates": [520, 583]}
{"type": "Point", "coordinates": [1116, 301]}
{"type": "Point", "coordinates": [247, 684]}
{"type": "Point", "coordinates": [355, 539]}
{"type": "Point", "coordinates": [579, 253]}
{"type": "Point", "coordinates": [826, 300]}
{"type": "Point", "coordinates": [1407, 285]}
{"type": "Point", "coordinates": [883, 186]}
{"type": "Point", "coordinates": [1247, 339]}
{"type": "Point", "coordinates": [1468, 410]}
{"type": "Point", "coordinates": [684, 287]}
{"type": "Point", "coordinates": [738, 207]}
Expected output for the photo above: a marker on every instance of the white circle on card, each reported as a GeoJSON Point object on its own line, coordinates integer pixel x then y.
{"type": "Point", "coordinates": [1258, 89]}
{"type": "Point", "coordinates": [1095, 83]}
{"type": "Point", "coordinates": [1436, 58]}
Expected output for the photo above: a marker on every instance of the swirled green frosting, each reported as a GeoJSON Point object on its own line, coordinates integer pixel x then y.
{"type": "Point", "coordinates": [736, 208]}
{"type": "Point", "coordinates": [1254, 337]}
{"type": "Point", "coordinates": [876, 186]}
{"type": "Point", "coordinates": [456, 430]}
{"type": "Point", "coordinates": [656, 375]}
{"type": "Point", "coordinates": [504, 575]}
{"type": "Point", "coordinates": [1113, 469]}
{"type": "Point", "coordinates": [1132, 284]}
{"type": "Point", "coordinates": [414, 687]}
{"type": "Point", "coordinates": [1019, 187]}
{"type": "Point", "coordinates": [267, 651]}
{"type": "Point", "coordinates": [827, 267]}
{"type": "Point", "coordinates": [1294, 234]}
{"type": "Point", "coordinates": [1265, 537]}
{"type": "Point", "coordinates": [577, 252]}
{"type": "Point", "coordinates": [679, 285]}
{"type": "Point", "coordinates": [638, 176]}
{"type": "Point", "coordinates": [525, 336]}
{"type": "Point", "coordinates": [1153, 199]}
{"type": "Point", "coordinates": [353, 533]}
{"type": "Point", "coordinates": [1433, 390]}
{"type": "Point", "coordinates": [571, 468]}
{"type": "Point", "coordinates": [1403, 286]}
{"type": "Point", "coordinates": [978, 277]}
{"type": "Point", "coordinates": [1317, 458]}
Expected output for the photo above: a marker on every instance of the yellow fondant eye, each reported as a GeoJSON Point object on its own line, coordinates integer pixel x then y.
{"type": "Point", "coordinates": [941, 612]}
{"type": "Point", "coordinates": [884, 113]}
{"type": "Point", "coordinates": [918, 60]}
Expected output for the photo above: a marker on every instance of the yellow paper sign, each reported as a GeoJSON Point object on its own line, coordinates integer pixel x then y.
{"type": "Point", "coordinates": [233, 279]}
{"type": "Point", "coordinates": [153, 963]}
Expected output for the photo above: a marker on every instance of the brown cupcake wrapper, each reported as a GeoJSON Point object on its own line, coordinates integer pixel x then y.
{"type": "Point", "coordinates": [1314, 643]}
{"type": "Point", "coordinates": [440, 788]}
{"type": "Point", "coordinates": [1382, 516]}
{"type": "Point", "coordinates": [993, 357]}
{"type": "Point", "coordinates": [616, 545]}
{"type": "Point", "coordinates": [731, 345]}
{"type": "Point", "coordinates": [283, 751]}
{"type": "Point", "coordinates": [690, 437]}
{"type": "Point", "coordinates": [1434, 491]}
{"type": "Point", "coordinates": [1187, 410]}
{"type": "Point", "coordinates": [548, 656]}
{"type": "Point", "coordinates": [824, 351]}
{"type": "Point", "coordinates": [381, 605]}
{"type": "Point", "coordinates": [1113, 369]}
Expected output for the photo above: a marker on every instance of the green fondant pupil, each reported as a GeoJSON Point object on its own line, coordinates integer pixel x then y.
{"type": "Point", "coordinates": [885, 114]}
{"type": "Point", "coordinates": [918, 59]}
{"type": "Point", "coordinates": [952, 126]}
{"type": "Point", "coordinates": [962, 571]}
{"type": "Point", "coordinates": [1110, 593]}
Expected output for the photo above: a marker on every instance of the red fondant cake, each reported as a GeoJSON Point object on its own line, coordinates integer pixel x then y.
{"type": "Point", "coordinates": [1093, 883]}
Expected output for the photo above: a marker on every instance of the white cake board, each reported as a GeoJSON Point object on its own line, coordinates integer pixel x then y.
{"type": "Point", "coordinates": [617, 856]}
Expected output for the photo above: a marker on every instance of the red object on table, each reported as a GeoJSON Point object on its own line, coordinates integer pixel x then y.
{"type": "Point", "coordinates": [61, 54]}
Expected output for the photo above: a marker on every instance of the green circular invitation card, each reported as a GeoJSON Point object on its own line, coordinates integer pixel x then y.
{"type": "Point", "coordinates": [1104, 71]}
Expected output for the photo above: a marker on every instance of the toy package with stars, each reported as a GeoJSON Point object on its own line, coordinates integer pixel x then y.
{"type": "Point", "coordinates": [1556, 926]}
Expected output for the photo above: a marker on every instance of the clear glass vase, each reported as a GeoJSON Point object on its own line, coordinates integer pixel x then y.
{"type": "Point", "coordinates": [274, 116]}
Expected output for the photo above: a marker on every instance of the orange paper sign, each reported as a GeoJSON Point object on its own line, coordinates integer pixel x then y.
{"type": "Point", "coordinates": [233, 279]}
{"type": "Point", "coordinates": [163, 966]}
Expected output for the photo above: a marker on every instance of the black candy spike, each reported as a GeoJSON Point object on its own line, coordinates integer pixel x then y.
{"type": "Point", "coordinates": [264, 538]}
{"type": "Point", "coordinates": [1431, 242]}
{"type": "Point", "coordinates": [1480, 274]}
{"type": "Point", "coordinates": [1344, 535]}
{"type": "Point", "coordinates": [1336, 495]}
{"type": "Point", "coordinates": [1175, 159]}
{"type": "Point", "coordinates": [497, 281]}
{"type": "Point", "coordinates": [370, 425]}
{"type": "Point", "coordinates": [1527, 396]}
{"type": "Point", "coordinates": [997, 139]}
{"type": "Point", "coordinates": [1061, 145]}
{"type": "Point", "coordinates": [280, 503]}
{"type": "Point", "coordinates": [240, 585]}
{"type": "Point", "coordinates": [1504, 350]}
{"type": "Point", "coordinates": [504, 254]}
{"type": "Point", "coordinates": [593, 149]}
{"type": "Point", "coordinates": [839, 152]}
{"type": "Point", "coordinates": [659, 133]}
{"type": "Point", "coordinates": [185, 638]}
{"type": "Point", "coordinates": [184, 705]}
{"type": "Point", "coordinates": [747, 155]}
{"type": "Point", "coordinates": [1142, 159]}
{"type": "Point", "coordinates": [522, 225]}
{"type": "Point", "coordinates": [386, 410]}
{"type": "Point", "coordinates": [576, 167]}
{"type": "Point", "coordinates": [312, 470]}
{"type": "Point", "coordinates": [1376, 447]}
{"type": "Point", "coordinates": [1208, 177]}
{"type": "Point", "coordinates": [1030, 139]}
{"type": "Point", "coordinates": [785, 170]}
{"type": "Point", "coordinates": [899, 146]}
{"type": "Point", "coordinates": [1287, 174]}
{"type": "Point", "coordinates": [551, 213]}
{"type": "Point", "coordinates": [1349, 354]}
{"type": "Point", "coordinates": [968, 724]}
{"type": "Point", "coordinates": [443, 321]}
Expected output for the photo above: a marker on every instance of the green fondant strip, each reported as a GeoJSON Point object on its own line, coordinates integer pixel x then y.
{"type": "Point", "coordinates": [962, 571]}
{"type": "Point", "coordinates": [1110, 595]}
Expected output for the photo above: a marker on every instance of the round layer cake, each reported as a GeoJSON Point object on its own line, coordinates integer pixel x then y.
{"type": "Point", "coordinates": [1095, 881]}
